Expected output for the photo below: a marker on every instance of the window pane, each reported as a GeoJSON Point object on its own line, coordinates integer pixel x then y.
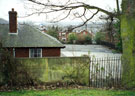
{"type": "Point", "coordinates": [38, 55]}
{"type": "Point", "coordinates": [39, 50]}
{"type": "Point", "coordinates": [35, 55]}
{"type": "Point", "coordinates": [35, 52]}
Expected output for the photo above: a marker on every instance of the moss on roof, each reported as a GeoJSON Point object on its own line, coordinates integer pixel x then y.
{"type": "Point", "coordinates": [27, 36]}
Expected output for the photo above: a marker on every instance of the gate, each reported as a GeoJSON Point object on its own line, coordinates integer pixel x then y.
{"type": "Point", "coordinates": [105, 72]}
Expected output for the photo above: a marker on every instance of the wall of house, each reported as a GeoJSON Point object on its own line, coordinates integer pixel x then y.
{"type": "Point", "coordinates": [46, 52]}
{"type": "Point", "coordinates": [63, 69]}
{"type": "Point", "coordinates": [21, 52]}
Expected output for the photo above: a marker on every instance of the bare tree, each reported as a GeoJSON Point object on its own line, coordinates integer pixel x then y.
{"type": "Point", "coordinates": [69, 8]}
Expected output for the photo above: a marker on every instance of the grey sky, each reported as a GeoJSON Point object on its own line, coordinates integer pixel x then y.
{"type": "Point", "coordinates": [6, 5]}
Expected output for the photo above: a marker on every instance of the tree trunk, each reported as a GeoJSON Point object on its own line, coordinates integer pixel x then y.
{"type": "Point", "coordinates": [128, 38]}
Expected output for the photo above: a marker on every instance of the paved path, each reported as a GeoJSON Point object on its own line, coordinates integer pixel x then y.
{"type": "Point", "coordinates": [92, 50]}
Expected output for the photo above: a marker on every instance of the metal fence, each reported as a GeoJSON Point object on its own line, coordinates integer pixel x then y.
{"type": "Point", "coordinates": [105, 72]}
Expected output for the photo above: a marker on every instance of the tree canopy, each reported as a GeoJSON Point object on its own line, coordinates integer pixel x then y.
{"type": "Point", "coordinates": [53, 31]}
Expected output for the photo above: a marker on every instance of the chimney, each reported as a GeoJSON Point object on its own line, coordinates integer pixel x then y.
{"type": "Point", "coordinates": [12, 21]}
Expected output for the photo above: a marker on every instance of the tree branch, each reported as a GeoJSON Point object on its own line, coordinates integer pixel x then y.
{"type": "Point", "coordinates": [69, 6]}
{"type": "Point", "coordinates": [63, 17]}
{"type": "Point", "coordinates": [85, 21]}
{"type": "Point", "coordinates": [118, 8]}
{"type": "Point", "coordinates": [72, 6]}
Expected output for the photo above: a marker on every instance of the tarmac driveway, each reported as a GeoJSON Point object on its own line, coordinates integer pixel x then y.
{"type": "Point", "coordinates": [91, 50]}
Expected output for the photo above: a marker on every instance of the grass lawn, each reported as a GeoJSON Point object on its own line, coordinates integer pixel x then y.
{"type": "Point", "coordinates": [69, 92]}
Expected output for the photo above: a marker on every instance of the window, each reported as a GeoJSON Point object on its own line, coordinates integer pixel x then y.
{"type": "Point", "coordinates": [63, 34]}
{"type": "Point", "coordinates": [64, 39]}
{"type": "Point", "coordinates": [59, 34]}
{"type": "Point", "coordinates": [35, 52]}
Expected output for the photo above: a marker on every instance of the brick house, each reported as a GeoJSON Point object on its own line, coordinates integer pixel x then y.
{"type": "Point", "coordinates": [43, 29]}
{"type": "Point", "coordinates": [63, 36]}
{"type": "Point", "coordinates": [85, 32]}
{"type": "Point", "coordinates": [26, 41]}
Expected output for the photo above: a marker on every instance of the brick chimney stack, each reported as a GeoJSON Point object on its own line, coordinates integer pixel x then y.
{"type": "Point", "coordinates": [12, 21]}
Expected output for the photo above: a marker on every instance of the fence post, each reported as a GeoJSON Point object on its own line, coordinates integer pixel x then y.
{"type": "Point", "coordinates": [89, 71]}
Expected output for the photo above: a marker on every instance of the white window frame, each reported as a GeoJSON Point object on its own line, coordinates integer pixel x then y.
{"type": "Point", "coordinates": [13, 52]}
{"type": "Point", "coordinates": [59, 34]}
{"type": "Point", "coordinates": [35, 57]}
{"type": "Point", "coordinates": [64, 39]}
{"type": "Point", "coordinates": [63, 33]}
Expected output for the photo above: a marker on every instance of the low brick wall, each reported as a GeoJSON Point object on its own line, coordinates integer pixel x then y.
{"type": "Point", "coordinates": [57, 69]}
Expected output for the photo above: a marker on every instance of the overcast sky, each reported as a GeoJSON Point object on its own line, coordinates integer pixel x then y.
{"type": "Point", "coordinates": [18, 5]}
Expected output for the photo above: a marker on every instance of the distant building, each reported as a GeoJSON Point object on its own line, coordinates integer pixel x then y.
{"type": "Point", "coordinates": [63, 36]}
{"type": "Point", "coordinates": [85, 32]}
{"type": "Point", "coordinates": [43, 29]}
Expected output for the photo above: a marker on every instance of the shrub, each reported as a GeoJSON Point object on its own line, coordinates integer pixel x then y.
{"type": "Point", "coordinates": [12, 72]}
{"type": "Point", "coordinates": [77, 74]}
{"type": "Point", "coordinates": [80, 39]}
{"type": "Point", "coordinates": [84, 39]}
{"type": "Point", "coordinates": [7, 67]}
{"type": "Point", "coordinates": [118, 36]}
{"type": "Point", "coordinates": [72, 38]}
{"type": "Point", "coordinates": [99, 37]}
{"type": "Point", "coordinates": [88, 39]}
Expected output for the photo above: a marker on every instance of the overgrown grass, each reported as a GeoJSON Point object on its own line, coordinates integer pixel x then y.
{"type": "Point", "coordinates": [69, 92]}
